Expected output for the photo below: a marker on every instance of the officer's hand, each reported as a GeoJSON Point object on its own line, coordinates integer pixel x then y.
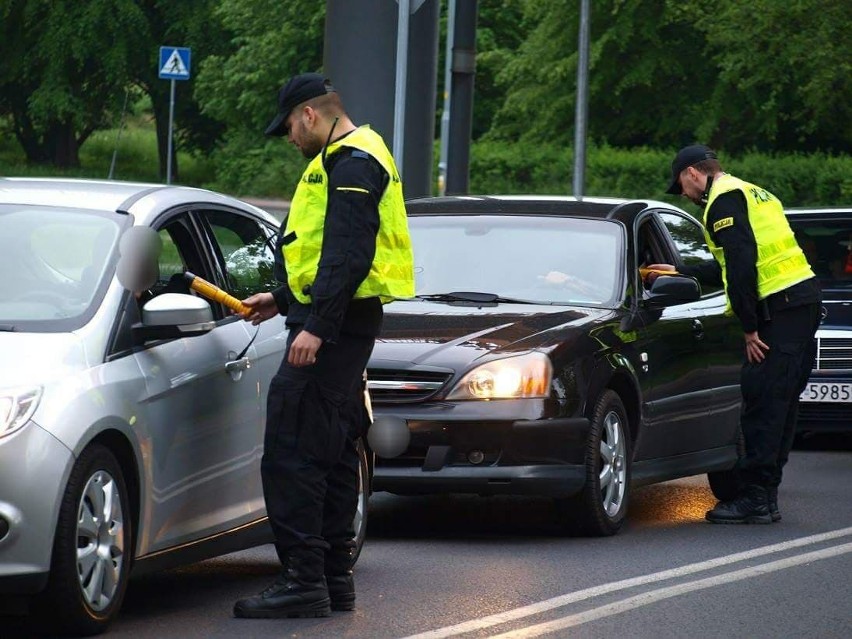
{"type": "Point", "coordinates": [303, 350]}
{"type": "Point", "coordinates": [263, 307]}
{"type": "Point", "coordinates": [755, 348]}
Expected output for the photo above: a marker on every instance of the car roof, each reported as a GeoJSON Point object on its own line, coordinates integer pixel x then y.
{"type": "Point", "coordinates": [827, 212]}
{"type": "Point", "coordinates": [141, 199]}
{"type": "Point", "coordinates": [567, 205]}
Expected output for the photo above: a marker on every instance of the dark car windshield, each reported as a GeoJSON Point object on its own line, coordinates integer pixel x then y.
{"type": "Point", "coordinates": [550, 260]}
{"type": "Point", "coordinates": [828, 246]}
{"type": "Point", "coordinates": [53, 261]}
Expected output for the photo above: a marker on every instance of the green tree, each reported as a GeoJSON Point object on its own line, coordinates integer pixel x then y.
{"type": "Point", "coordinates": [66, 64]}
{"type": "Point", "coordinates": [187, 24]}
{"type": "Point", "coordinates": [759, 75]}
{"type": "Point", "coordinates": [270, 41]}
{"type": "Point", "coordinates": [784, 75]}
{"type": "Point", "coordinates": [638, 56]}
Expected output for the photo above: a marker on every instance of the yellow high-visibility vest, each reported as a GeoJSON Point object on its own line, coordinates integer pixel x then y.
{"type": "Point", "coordinates": [780, 261]}
{"type": "Point", "coordinates": [391, 274]}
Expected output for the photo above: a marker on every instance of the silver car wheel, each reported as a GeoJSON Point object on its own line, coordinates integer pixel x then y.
{"type": "Point", "coordinates": [359, 523]}
{"type": "Point", "coordinates": [613, 474]}
{"type": "Point", "coordinates": [100, 540]}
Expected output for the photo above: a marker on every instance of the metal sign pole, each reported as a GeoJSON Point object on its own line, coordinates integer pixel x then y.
{"type": "Point", "coordinates": [401, 77]}
{"type": "Point", "coordinates": [582, 110]}
{"type": "Point", "coordinates": [171, 126]}
{"type": "Point", "coordinates": [174, 65]}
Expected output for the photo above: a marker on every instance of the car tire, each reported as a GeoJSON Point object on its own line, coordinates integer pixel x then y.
{"type": "Point", "coordinates": [360, 523]}
{"type": "Point", "coordinates": [92, 547]}
{"type": "Point", "coordinates": [725, 484]}
{"type": "Point", "coordinates": [600, 508]}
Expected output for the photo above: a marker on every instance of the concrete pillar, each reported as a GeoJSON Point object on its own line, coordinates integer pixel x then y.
{"type": "Point", "coordinates": [360, 58]}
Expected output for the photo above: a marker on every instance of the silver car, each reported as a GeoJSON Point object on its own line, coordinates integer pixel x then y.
{"type": "Point", "coordinates": [131, 425]}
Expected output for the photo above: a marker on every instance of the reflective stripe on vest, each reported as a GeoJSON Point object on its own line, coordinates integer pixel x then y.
{"type": "Point", "coordinates": [391, 274]}
{"type": "Point", "coordinates": [780, 261]}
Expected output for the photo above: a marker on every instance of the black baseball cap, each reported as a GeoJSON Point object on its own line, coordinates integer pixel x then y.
{"type": "Point", "coordinates": [300, 88]}
{"type": "Point", "coordinates": [688, 156]}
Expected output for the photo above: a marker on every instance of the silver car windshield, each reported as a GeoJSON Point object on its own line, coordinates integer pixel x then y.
{"type": "Point", "coordinates": [539, 259]}
{"type": "Point", "coordinates": [53, 261]}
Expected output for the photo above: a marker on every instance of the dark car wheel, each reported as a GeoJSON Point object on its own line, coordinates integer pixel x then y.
{"type": "Point", "coordinates": [600, 508]}
{"type": "Point", "coordinates": [360, 523]}
{"type": "Point", "coordinates": [92, 547]}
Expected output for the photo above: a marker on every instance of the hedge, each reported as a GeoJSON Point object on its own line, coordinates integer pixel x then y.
{"type": "Point", "coordinates": [798, 180]}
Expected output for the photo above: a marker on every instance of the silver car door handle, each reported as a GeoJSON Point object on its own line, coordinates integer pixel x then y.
{"type": "Point", "coordinates": [237, 366]}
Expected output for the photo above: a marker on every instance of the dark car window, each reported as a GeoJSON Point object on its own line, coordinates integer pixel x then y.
{"type": "Point", "coordinates": [688, 238]}
{"type": "Point", "coordinates": [180, 253]}
{"type": "Point", "coordinates": [828, 247]}
{"type": "Point", "coordinates": [245, 252]}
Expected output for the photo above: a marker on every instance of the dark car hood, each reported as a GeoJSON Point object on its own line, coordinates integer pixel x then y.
{"type": "Point", "coordinates": [430, 334]}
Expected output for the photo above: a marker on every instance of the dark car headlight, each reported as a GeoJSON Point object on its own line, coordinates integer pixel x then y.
{"type": "Point", "coordinates": [520, 376]}
{"type": "Point", "coordinates": [17, 405]}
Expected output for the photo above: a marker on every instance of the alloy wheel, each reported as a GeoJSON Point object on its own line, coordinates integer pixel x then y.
{"type": "Point", "coordinates": [100, 540]}
{"type": "Point", "coordinates": [613, 472]}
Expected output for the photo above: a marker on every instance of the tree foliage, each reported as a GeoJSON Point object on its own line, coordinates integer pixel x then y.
{"type": "Point", "coordinates": [271, 41]}
{"type": "Point", "coordinates": [763, 74]}
{"type": "Point", "coordinates": [66, 64]}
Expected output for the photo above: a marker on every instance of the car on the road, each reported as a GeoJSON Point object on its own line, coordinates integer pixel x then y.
{"type": "Point", "coordinates": [131, 424]}
{"type": "Point", "coordinates": [534, 360]}
{"type": "Point", "coordinates": [825, 234]}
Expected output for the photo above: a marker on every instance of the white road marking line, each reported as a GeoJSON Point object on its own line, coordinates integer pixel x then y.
{"type": "Point", "coordinates": [653, 596]}
{"type": "Point", "coordinates": [596, 591]}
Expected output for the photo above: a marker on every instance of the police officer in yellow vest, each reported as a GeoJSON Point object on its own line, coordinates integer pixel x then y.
{"type": "Point", "coordinates": [774, 294]}
{"type": "Point", "coordinates": [343, 251]}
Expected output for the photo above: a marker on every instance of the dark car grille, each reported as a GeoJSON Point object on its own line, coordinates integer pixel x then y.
{"type": "Point", "coordinates": [833, 354]}
{"type": "Point", "coordinates": [392, 386]}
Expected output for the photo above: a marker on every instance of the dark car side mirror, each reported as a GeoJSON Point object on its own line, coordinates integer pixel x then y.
{"type": "Point", "coordinates": [173, 315]}
{"type": "Point", "coordinates": [669, 290]}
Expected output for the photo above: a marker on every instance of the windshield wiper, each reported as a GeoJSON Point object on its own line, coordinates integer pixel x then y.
{"type": "Point", "coordinates": [475, 297]}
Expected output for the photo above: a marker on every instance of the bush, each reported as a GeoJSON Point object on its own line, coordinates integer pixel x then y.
{"type": "Point", "coordinates": [798, 180]}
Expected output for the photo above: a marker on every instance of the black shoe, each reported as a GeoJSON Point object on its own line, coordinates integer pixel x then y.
{"type": "Point", "coordinates": [341, 591]}
{"type": "Point", "coordinates": [772, 498]}
{"type": "Point", "coordinates": [300, 591]}
{"type": "Point", "coordinates": [751, 507]}
{"type": "Point", "coordinates": [338, 574]}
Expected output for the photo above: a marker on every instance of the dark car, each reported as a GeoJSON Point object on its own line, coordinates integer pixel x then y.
{"type": "Point", "coordinates": [826, 237]}
{"type": "Point", "coordinates": [534, 361]}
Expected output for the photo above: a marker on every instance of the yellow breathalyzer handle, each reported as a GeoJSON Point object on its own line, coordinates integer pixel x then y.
{"type": "Point", "coordinates": [644, 272]}
{"type": "Point", "coordinates": [213, 292]}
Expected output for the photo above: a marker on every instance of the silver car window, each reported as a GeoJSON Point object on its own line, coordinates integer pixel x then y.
{"type": "Point", "coordinates": [53, 261]}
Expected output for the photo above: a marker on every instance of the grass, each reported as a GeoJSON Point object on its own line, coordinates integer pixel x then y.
{"type": "Point", "coordinates": [136, 157]}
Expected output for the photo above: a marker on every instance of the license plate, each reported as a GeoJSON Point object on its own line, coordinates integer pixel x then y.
{"type": "Point", "coordinates": [826, 392]}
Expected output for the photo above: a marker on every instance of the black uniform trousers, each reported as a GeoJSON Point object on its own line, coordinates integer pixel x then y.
{"type": "Point", "coordinates": [771, 391]}
{"type": "Point", "coordinates": [315, 415]}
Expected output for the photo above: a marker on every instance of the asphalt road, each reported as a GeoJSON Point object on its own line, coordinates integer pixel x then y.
{"type": "Point", "coordinates": [461, 566]}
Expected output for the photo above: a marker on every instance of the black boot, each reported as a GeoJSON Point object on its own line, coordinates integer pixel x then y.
{"type": "Point", "coordinates": [300, 591]}
{"type": "Point", "coordinates": [750, 507]}
{"type": "Point", "coordinates": [338, 575]}
{"type": "Point", "coordinates": [772, 498]}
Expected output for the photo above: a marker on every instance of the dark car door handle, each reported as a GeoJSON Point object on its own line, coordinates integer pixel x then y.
{"type": "Point", "coordinates": [698, 329]}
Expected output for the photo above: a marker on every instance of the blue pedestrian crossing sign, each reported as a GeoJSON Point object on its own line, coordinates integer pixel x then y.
{"type": "Point", "coordinates": [174, 63]}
